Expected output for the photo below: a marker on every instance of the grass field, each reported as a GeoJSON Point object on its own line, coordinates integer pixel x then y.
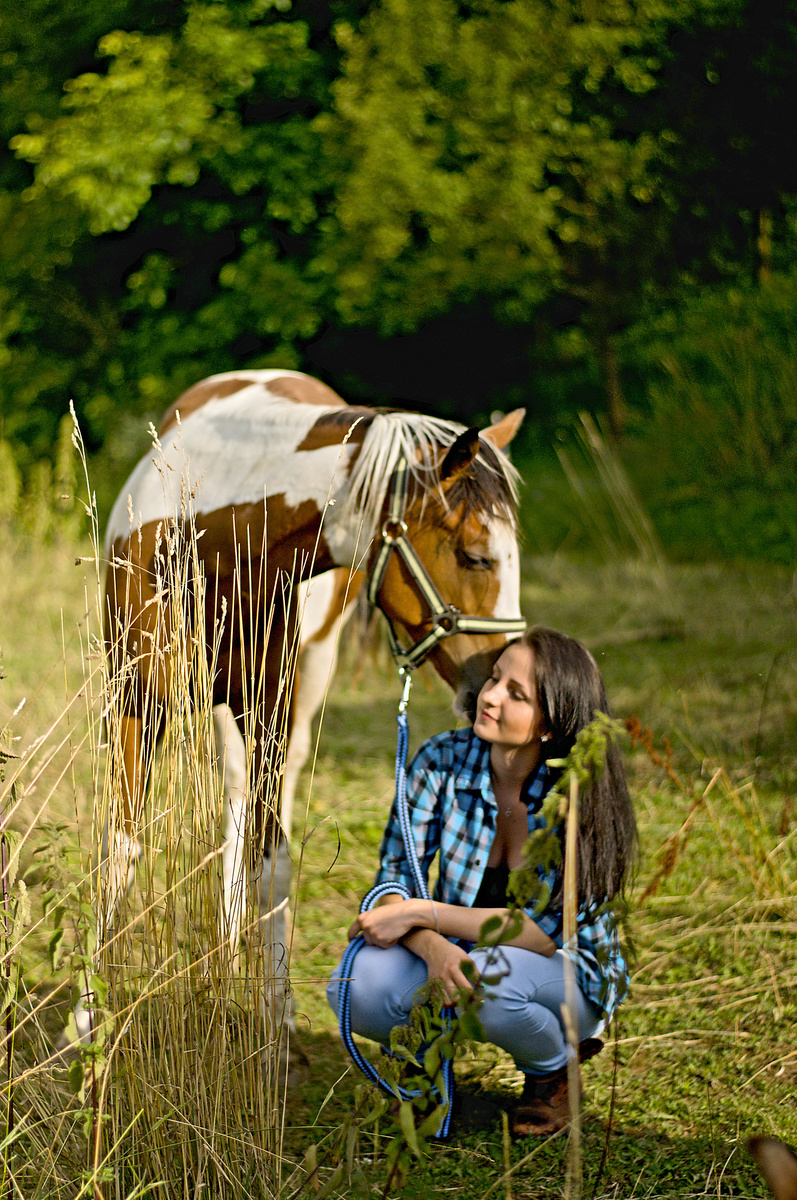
{"type": "Point", "coordinates": [704, 1056]}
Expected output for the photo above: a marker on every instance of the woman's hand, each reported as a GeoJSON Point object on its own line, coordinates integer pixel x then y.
{"type": "Point", "coordinates": [411, 922]}
{"type": "Point", "coordinates": [387, 924]}
{"type": "Point", "coordinates": [444, 961]}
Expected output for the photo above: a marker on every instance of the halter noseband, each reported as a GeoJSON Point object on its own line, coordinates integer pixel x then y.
{"type": "Point", "coordinates": [446, 620]}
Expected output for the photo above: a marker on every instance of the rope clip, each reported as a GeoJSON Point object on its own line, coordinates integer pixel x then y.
{"type": "Point", "coordinates": [406, 675]}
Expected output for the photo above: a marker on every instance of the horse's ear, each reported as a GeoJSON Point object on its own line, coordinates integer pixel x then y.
{"type": "Point", "coordinates": [501, 434]}
{"type": "Point", "coordinates": [460, 455]}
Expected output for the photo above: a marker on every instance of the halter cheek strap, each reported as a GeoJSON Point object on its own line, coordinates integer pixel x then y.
{"type": "Point", "coordinates": [445, 619]}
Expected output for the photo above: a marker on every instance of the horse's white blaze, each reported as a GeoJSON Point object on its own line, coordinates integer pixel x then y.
{"type": "Point", "coordinates": [503, 550]}
{"type": "Point", "coordinates": [218, 457]}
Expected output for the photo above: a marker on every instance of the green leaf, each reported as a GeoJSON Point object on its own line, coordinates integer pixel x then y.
{"type": "Point", "coordinates": [430, 1125]}
{"type": "Point", "coordinates": [55, 948]}
{"type": "Point", "coordinates": [75, 1076]}
{"type": "Point", "coordinates": [407, 1124]}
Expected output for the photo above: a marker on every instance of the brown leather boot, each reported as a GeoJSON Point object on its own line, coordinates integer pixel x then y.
{"type": "Point", "coordinates": [544, 1106]}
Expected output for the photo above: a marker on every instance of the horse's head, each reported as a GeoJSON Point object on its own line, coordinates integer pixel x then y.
{"type": "Point", "coordinates": [460, 525]}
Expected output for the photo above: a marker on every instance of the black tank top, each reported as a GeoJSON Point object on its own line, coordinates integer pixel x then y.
{"type": "Point", "coordinates": [492, 889]}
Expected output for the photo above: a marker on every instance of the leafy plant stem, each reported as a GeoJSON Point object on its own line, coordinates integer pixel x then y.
{"type": "Point", "coordinates": [573, 1178]}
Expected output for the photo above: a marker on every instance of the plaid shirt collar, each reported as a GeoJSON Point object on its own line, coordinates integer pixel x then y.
{"type": "Point", "coordinates": [473, 775]}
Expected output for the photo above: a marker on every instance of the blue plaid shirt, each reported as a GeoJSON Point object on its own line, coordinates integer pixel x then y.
{"type": "Point", "coordinates": [452, 811]}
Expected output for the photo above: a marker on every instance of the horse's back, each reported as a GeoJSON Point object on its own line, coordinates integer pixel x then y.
{"type": "Point", "coordinates": [267, 385]}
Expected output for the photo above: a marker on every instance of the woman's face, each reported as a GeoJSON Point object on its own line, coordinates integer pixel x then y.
{"type": "Point", "coordinates": [507, 708]}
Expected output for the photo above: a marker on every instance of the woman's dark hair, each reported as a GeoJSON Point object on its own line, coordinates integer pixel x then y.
{"type": "Point", "coordinates": [570, 691]}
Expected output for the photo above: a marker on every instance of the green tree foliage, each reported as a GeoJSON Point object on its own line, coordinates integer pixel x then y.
{"type": "Point", "coordinates": [201, 185]}
{"type": "Point", "coordinates": [721, 421]}
{"type": "Point", "coordinates": [494, 149]}
{"type": "Point", "coordinates": [53, 324]}
{"type": "Point", "coordinates": [472, 160]}
{"type": "Point", "coordinates": [173, 190]}
{"type": "Point", "coordinates": [164, 109]}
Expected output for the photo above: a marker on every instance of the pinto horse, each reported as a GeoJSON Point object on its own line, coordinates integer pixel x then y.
{"type": "Point", "coordinates": [281, 483]}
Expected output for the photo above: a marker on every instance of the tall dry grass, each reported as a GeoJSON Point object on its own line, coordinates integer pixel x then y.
{"type": "Point", "coordinates": [180, 1090]}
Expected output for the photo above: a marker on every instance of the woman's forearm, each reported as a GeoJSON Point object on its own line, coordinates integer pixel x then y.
{"type": "Point", "coordinates": [421, 941]}
{"type": "Point", "coordinates": [396, 919]}
{"type": "Point", "coordinates": [453, 920]}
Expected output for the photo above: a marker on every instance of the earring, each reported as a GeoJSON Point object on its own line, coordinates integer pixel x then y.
{"type": "Point", "coordinates": [546, 737]}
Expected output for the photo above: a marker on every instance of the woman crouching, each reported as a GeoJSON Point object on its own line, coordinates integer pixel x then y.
{"type": "Point", "coordinates": [474, 796]}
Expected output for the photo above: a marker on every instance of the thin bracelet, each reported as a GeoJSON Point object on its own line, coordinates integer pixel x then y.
{"type": "Point", "coordinates": [434, 914]}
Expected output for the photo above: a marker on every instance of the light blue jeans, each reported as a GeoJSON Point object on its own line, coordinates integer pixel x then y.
{"type": "Point", "coordinates": [521, 1012]}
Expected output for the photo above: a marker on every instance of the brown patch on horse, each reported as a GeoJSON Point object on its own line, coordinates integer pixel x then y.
{"type": "Point", "coordinates": [238, 566]}
{"type": "Point", "coordinates": [199, 395]}
{"type": "Point", "coordinates": [305, 390]}
{"type": "Point", "coordinates": [238, 533]}
{"type": "Point", "coordinates": [331, 428]}
{"type": "Point", "coordinates": [348, 584]}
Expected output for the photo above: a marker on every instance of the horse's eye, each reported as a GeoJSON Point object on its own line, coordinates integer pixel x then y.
{"type": "Point", "coordinates": [476, 562]}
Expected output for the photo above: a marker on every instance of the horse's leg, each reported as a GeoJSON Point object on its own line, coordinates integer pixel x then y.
{"type": "Point", "coordinates": [121, 848]}
{"type": "Point", "coordinates": [325, 605]}
{"type": "Point", "coordinates": [272, 868]}
{"type": "Point", "coordinates": [119, 853]}
{"type": "Point", "coordinates": [273, 873]}
{"type": "Point", "coordinates": [231, 765]}
{"type": "Point", "coordinates": [135, 618]}
{"type": "Point", "coordinates": [273, 891]}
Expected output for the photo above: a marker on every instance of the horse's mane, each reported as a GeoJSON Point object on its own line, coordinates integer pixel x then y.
{"type": "Point", "coordinates": [489, 487]}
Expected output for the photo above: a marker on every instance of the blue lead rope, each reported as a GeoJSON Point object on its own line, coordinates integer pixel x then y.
{"type": "Point", "coordinates": [384, 889]}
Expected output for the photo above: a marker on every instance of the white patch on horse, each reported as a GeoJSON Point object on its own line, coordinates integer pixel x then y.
{"type": "Point", "coordinates": [263, 376]}
{"type": "Point", "coordinates": [232, 768]}
{"type": "Point", "coordinates": [317, 660]}
{"type": "Point", "coordinates": [232, 451]}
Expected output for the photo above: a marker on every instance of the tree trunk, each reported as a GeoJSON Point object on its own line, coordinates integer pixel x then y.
{"type": "Point", "coordinates": [763, 244]}
{"type": "Point", "coordinates": [612, 383]}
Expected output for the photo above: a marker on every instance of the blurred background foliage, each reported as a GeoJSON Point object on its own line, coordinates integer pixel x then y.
{"type": "Point", "coordinates": [580, 207]}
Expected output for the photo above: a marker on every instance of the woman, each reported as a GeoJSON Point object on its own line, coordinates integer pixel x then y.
{"type": "Point", "coordinates": [474, 796]}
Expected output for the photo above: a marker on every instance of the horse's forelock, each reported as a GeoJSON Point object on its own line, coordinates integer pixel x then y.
{"type": "Point", "coordinates": [489, 486]}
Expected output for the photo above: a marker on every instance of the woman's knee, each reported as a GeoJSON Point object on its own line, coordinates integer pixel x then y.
{"type": "Point", "coordinates": [382, 987]}
{"type": "Point", "coordinates": [512, 977]}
